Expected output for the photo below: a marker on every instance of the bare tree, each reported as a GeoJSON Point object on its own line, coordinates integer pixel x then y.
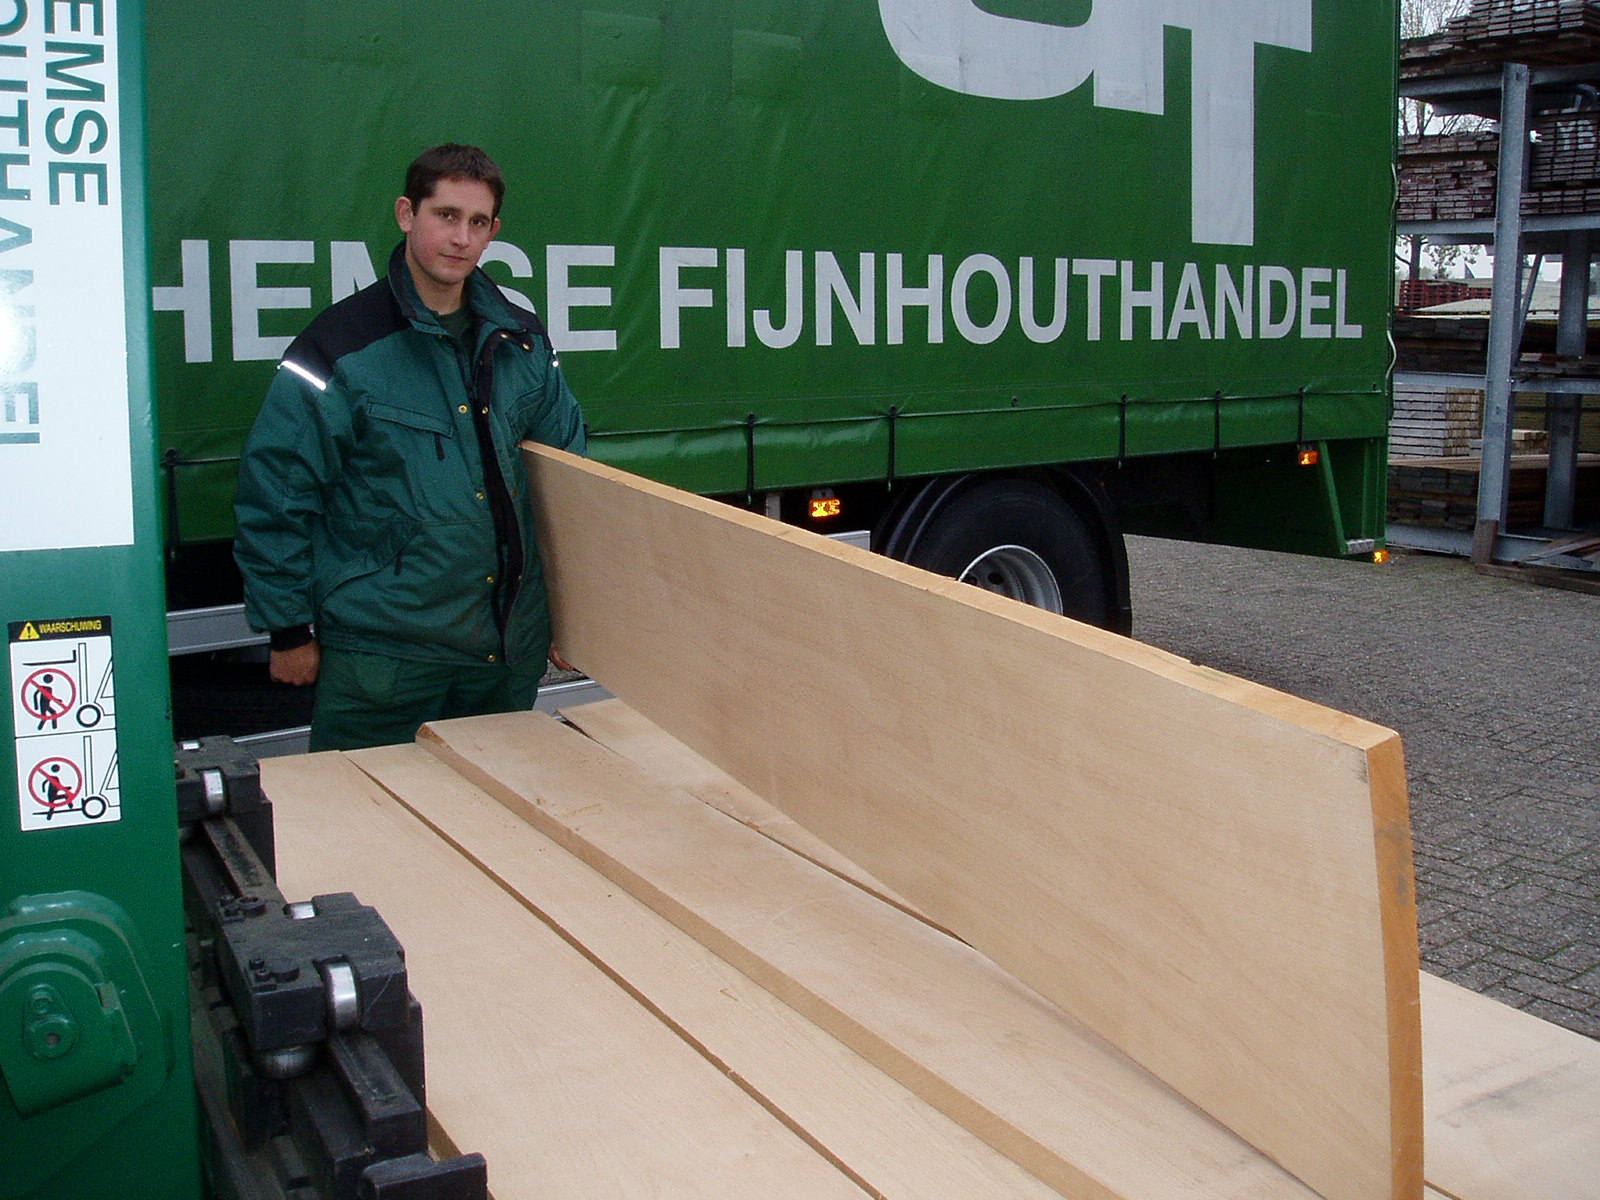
{"type": "Point", "coordinates": [1419, 18]}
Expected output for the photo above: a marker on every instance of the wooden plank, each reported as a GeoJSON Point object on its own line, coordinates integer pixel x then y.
{"type": "Point", "coordinates": [882, 1134]}
{"type": "Point", "coordinates": [1213, 876]}
{"type": "Point", "coordinates": [924, 1007]}
{"type": "Point", "coordinates": [534, 1057]}
{"type": "Point", "coordinates": [617, 727]}
{"type": "Point", "coordinates": [1513, 1102]}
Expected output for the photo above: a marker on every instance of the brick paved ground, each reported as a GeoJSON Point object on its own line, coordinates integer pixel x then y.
{"type": "Point", "coordinates": [1494, 686]}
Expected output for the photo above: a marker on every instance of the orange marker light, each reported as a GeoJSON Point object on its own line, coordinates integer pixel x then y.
{"type": "Point", "coordinates": [1310, 456]}
{"type": "Point", "coordinates": [1380, 556]}
{"type": "Point", "coordinates": [825, 508]}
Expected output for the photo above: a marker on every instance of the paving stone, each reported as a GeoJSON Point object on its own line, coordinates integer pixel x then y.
{"type": "Point", "coordinates": [1488, 859]}
{"type": "Point", "coordinates": [1584, 1023]}
{"type": "Point", "coordinates": [1494, 686]}
{"type": "Point", "coordinates": [1544, 971]}
{"type": "Point", "coordinates": [1483, 976]}
{"type": "Point", "coordinates": [1580, 958]}
{"type": "Point", "coordinates": [1459, 954]}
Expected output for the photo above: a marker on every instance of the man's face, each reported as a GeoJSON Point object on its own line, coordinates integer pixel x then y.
{"type": "Point", "coordinates": [445, 236]}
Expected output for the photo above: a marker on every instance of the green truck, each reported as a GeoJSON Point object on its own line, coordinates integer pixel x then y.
{"type": "Point", "coordinates": [990, 281]}
{"type": "Point", "coordinates": [984, 283]}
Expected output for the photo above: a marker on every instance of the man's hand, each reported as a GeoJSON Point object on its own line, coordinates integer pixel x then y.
{"type": "Point", "coordinates": [561, 664]}
{"type": "Point", "coordinates": [299, 666]}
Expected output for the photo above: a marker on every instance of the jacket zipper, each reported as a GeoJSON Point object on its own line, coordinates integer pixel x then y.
{"type": "Point", "coordinates": [510, 565]}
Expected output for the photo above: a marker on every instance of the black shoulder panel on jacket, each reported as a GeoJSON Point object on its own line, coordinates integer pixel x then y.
{"type": "Point", "coordinates": [528, 319]}
{"type": "Point", "coordinates": [352, 324]}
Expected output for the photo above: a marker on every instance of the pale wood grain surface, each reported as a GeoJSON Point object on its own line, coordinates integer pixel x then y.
{"type": "Point", "coordinates": [616, 726]}
{"type": "Point", "coordinates": [1513, 1102]}
{"type": "Point", "coordinates": [534, 1057]}
{"type": "Point", "coordinates": [1213, 876]}
{"type": "Point", "coordinates": [927, 1009]}
{"type": "Point", "coordinates": [882, 1134]}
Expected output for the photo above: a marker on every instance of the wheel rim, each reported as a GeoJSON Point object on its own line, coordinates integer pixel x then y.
{"type": "Point", "coordinates": [1018, 572]}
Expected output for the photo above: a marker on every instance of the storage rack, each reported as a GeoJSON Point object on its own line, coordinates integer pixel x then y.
{"type": "Point", "coordinates": [1530, 66]}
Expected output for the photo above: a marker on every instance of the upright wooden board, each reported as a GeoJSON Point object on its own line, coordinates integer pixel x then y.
{"type": "Point", "coordinates": [1213, 876]}
{"type": "Point", "coordinates": [1513, 1102]}
{"type": "Point", "coordinates": [535, 1058]}
{"type": "Point", "coordinates": [927, 1009]}
{"type": "Point", "coordinates": [616, 726]}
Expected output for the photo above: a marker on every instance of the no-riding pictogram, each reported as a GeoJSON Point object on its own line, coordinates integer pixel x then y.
{"type": "Point", "coordinates": [63, 701]}
{"type": "Point", "coordinates": [55, 784]}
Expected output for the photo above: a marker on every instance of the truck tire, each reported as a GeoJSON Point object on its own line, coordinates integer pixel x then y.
{"type": "Point", "coordinates": [1017, 538]}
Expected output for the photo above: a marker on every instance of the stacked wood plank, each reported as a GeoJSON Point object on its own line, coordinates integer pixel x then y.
{"type": "Point", "coordinates": [1561, 201]}
{"type": "Point", "coordinates": [1059, 880]}
{"type": "Point", "coordinates": [1516, 23]}
{"type": "Point", "coordinates": [1442, 493]}
{"type": "Point", "coordinates": [1454, 345]}
{"type": "Point", "coordinates": [1537, 32]}
{"type": "Point", "coordinates": [1436, 493]}
{"type": "Point", "coordinates": [1566, 151]}
{"type": "Point", "coordinates": [590, 1048]}
{"type": "Point", "coordinates": [1459, 345]}
{"type": "Point", "coordinates": [1434, 423]}
{"type": "Point", "coordinates": [1447, 177]}
{"type": "Point", "coordinates": [641, 979]}
{"type": "Point", "coordinates": [1451, 177]}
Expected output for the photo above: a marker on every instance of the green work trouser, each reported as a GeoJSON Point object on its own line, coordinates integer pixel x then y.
{"type": "Point", "coordinates": [375, 700]}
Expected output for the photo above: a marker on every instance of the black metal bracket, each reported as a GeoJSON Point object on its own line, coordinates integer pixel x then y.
{"type": "Point", "coordinates": [894, 422]}
{"type": "Point", "coordinates": [217, 776]}
{"type": "Point", "coordinates": [307, 1042]}
{"type": "Point", "coordinates": [750, 459]}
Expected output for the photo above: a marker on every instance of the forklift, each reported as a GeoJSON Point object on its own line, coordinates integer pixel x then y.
{"type": "Point", "coordinates": [171, 1026]}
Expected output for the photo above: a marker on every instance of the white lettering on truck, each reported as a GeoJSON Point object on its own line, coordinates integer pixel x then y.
{"type": "Point", "coordinates": [562, 295]}
{"type": "Point", "coordinates": [250, 298]}
{"type": "Point", "coordinates": [887, 299]}
{"type": "Point", "coordinates": [957, 45]}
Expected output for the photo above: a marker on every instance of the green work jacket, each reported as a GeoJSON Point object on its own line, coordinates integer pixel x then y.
{"type": "Point", "coordinates": [381, 496]}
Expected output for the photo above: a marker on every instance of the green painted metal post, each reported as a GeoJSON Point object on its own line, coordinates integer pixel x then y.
{"type": "Point", "coordinates": [96, 1088]}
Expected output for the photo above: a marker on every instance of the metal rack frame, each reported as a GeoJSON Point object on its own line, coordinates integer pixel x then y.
{"type": "Point", "coordinates": [1510, 96]}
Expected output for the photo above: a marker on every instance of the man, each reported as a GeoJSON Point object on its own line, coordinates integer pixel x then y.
{"type": "Point", "coordinates": [384, 527]}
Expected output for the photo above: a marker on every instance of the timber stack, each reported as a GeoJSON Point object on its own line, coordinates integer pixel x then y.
{"type": "Point", "coordinates": [1492, 32]}
{"type": "Point", "coordinates": [1447, 176]}
{"type": "Point", "coordinates": [1441, 492]}
{"type": "Point", "coordinates": [1451, 177]}
{"type": "Point", "coordinates": [874, 884]}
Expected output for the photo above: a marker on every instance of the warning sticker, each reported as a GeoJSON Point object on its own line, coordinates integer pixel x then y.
{"type": "Point", "coordinates": [63, 704]}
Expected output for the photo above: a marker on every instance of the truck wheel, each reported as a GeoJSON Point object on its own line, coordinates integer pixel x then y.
{"type": "Point", "coordinates": [1020, 539]}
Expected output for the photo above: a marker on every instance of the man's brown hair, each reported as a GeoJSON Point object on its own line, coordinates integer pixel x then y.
{"type": "Point", "coordinates": [452, 161]}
